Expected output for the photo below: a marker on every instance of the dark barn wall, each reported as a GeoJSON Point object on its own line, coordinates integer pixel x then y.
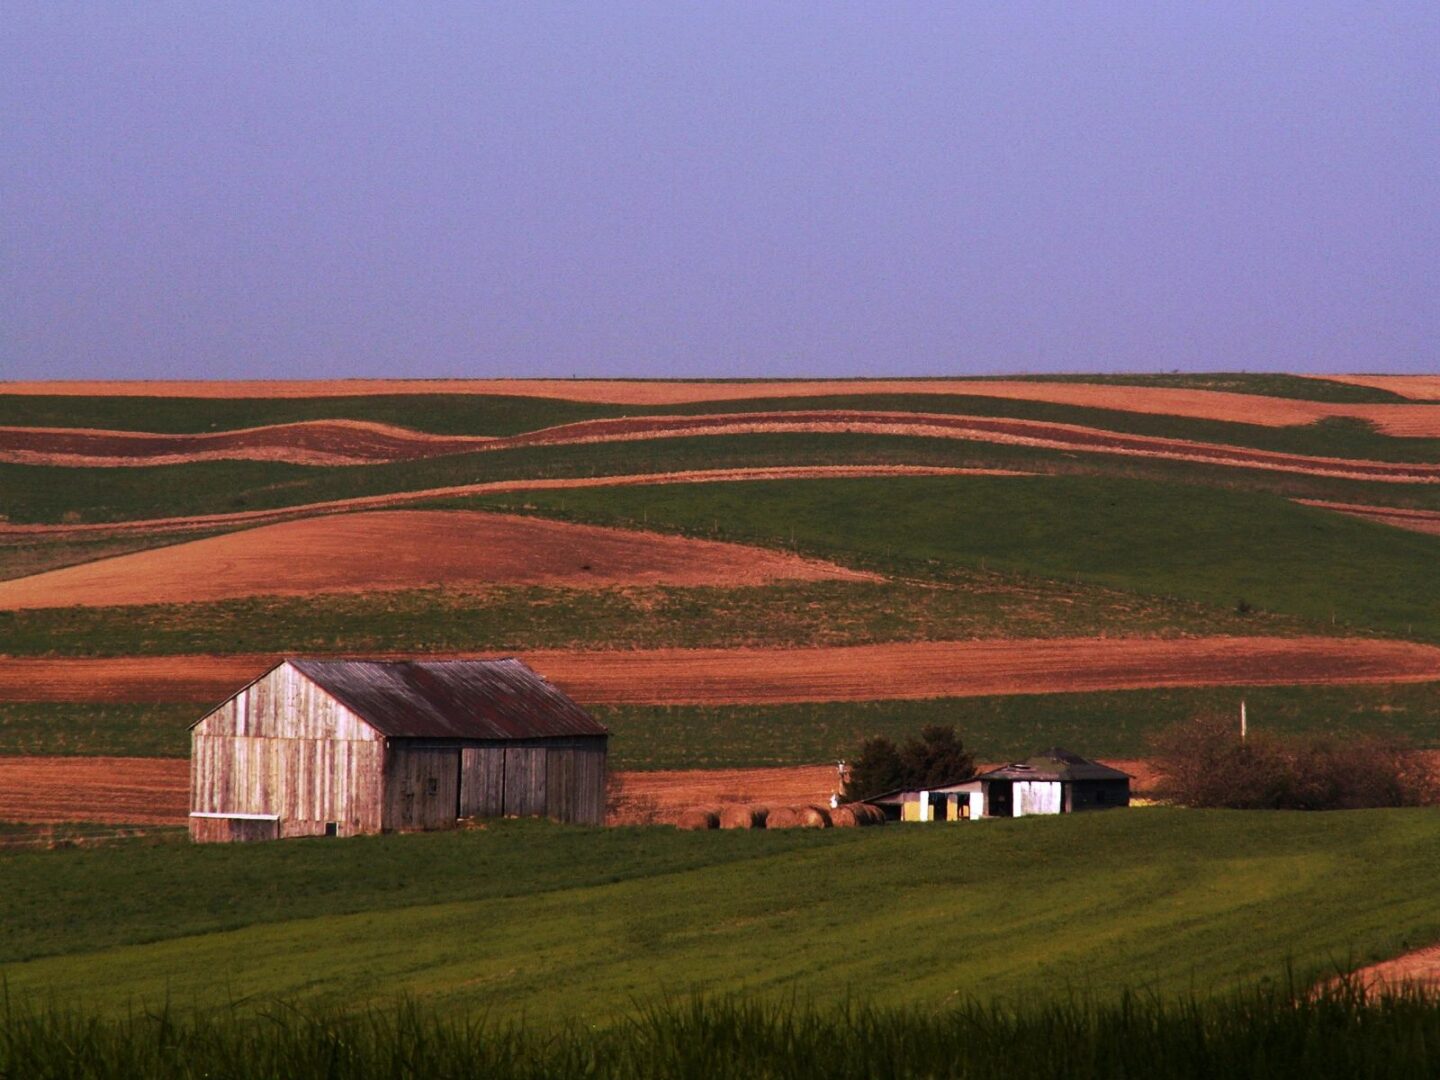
{"type": "Point", "coordinates": [422, 787]}
{"type": "Point", "coordinates": [1098, 794]}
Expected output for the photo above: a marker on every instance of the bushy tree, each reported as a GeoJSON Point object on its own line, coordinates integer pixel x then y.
{"type": "Point", "coordinates": [937, 757]}
{"type": "Point", "coordinates": [876, 768]}
{"type": "Point", "coordinates": [934, 758]}
{"type": "Point", "coordinates": [1205, 763]}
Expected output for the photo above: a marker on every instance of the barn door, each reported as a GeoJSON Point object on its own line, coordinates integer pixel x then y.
{"type": "Point", "coordinates": [482, 781]}
{"type": "Point", "coordinates": [423, 788]}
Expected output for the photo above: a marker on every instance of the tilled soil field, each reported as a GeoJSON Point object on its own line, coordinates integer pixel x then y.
{"type": "Point", "coordinates": [378, 551]}
{"type": "Point", "coordinates": [297, 442]}
{"type": "Point", "coordinates": [151, 791]}
{"type": "Point", "coordinates": [1396, 419]}
{"type": "Point", "coordinates": [910, 670]}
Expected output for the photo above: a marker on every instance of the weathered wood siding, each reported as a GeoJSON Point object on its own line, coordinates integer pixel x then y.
{"type": "Point", "coordinates": [559, 778]}
{"type": "Point", "coordinates": [422, 787]}
{"type": "Point", "coordinates": [232, 830]}
{"type": "Point", "coordinates": [283, 746]}
{"type": "Point", "coordinates": [482, 780]}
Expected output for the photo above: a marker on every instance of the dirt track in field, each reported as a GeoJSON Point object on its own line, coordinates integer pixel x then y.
{"type": "Point", "coordinates": [905, 671]}
{"type": "Point", "coordinates": [292, 442]}
{"type": "Point", "coordinates": [1419, 969]}
{"type": "Point", "coordinates": [379, 551]}
{"type": "Point", "coordinates": [401, 498]}
{"type": "Point", "coordinates": [1421, 521]}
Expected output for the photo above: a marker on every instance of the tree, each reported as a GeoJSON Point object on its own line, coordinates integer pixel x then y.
{"type": "Point", "coordinates": [935, 758]}
{"type": "Point", "coordinates": [876, 768]}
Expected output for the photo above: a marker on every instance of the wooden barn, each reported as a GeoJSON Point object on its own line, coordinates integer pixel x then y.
{"type": "Point", "coordinates": [342, 747]}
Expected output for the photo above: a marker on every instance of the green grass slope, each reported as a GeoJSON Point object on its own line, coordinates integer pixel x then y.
{"type": "Point", "coordinates": [570, 924]}
{"type": "Point", "coordinates": [1200, 544]}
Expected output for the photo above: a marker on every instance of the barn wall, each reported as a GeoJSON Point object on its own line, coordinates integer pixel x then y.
{"type": "Point", "coordinates": [422, 787]}
{"type": "Point", "coordinates": [559, 778]}
{"type": "Point", "coordinates": [282, 746]}
{"type": "Point", "coordinates": [232, 830]}
{"type": "Point", "coordinates": [1099, 794]}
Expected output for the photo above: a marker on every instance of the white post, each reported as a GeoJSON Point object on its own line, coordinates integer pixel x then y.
{"type": "Point", "coordinates": [1242, 719]}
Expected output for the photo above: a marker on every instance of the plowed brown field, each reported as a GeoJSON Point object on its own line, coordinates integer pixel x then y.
{"type": "Point", "coordinates": [296, 442]}
{"type": "Point", "coordinates": [401, 498]}
{"type": "Point", "coordinates": [150, 791]}
{"type": "Point", "coordinates": [1394, 419]}
{"type": "Point", "coordinates": [1421, 521]}
{"type": "Point", "coordinates": [402, 549]}
{"type": "Point", "coordinates": [852, 673]}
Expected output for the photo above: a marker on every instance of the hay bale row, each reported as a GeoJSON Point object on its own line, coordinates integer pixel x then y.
{"type": "Point", "coordinates": [856, 815]}
{"type": "Point", "coordinates": [698, 819]}
{"type": "Point", "coordinates": [742, 816]}
{"type": "Point", "coordinates": [745, 816]}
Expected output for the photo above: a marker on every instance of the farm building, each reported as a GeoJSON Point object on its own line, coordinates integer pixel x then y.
{"type": "Point", "coordinates": [1054, 781]}
{"type": "Point", "coordinates": [342, 747]}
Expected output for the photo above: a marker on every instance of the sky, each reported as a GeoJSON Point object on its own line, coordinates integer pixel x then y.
{"type": "Point", "coordinates": [270, 190]}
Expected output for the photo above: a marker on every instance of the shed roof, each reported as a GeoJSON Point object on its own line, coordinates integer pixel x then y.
{"type": "Point", "coordinates": [452, 699]}
{"type": "Point", "coordinates": [1056, 763]}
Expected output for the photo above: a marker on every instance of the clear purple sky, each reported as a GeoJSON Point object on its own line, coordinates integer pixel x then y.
{"type": "Point", "coordinates": [303, 189]}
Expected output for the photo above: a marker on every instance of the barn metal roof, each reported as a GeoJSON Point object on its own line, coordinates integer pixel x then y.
{"type": "Point", "coordinates": [1054, 764]}
{"type": "Point", "coordinates": [451, 699]}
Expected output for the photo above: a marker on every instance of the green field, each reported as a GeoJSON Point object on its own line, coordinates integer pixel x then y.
{"type": "Point", "coordinates": [1113, 724]}
{"type": "Point", "coordinates": [501, 920]}
{"type": "Point", "coordinates": [963, 604]}
{"type": "Point", "coordinates": [1204, 545]}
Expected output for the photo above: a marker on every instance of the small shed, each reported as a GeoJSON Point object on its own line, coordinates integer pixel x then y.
{"type": "Point", "coordinates": [344, 747]}
{"type": "Point", "coordinates": [1054, 781]}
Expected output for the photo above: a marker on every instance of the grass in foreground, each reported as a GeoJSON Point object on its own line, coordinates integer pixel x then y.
{"type": "Point", "coordinates": [560, 924]}
{"type": "Point", "coordinates": [1264, 1033]}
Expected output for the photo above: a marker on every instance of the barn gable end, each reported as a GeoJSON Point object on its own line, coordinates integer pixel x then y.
{"type": "Point", "coordinates": [284, 748]}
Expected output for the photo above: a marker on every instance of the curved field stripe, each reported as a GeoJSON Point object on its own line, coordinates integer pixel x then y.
{"type": "Point", "coordinates": [328, 439]}
{"type": "Point", "coordinates": [1393, 419]}
{"type": "Point", "coordinates": [899, 671]}
{"type": "Point", "coordinates": [494, 487]}
{"type": "Point", "coordinates": [1421, 521]}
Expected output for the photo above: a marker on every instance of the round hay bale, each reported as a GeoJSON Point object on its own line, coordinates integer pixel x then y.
{"type": "Point", "coordinates": [814, 817]}
{"type": "Point", "coordinates": [783, 817]}
{"type": "Point", "coordinates": [846, 817]}
{"type": "Point", "coordinates": [698, 818]}
{"type": "Point", "coordinates": [742, 816]}
{"type": "Point", "coordinates": [870, 814]}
